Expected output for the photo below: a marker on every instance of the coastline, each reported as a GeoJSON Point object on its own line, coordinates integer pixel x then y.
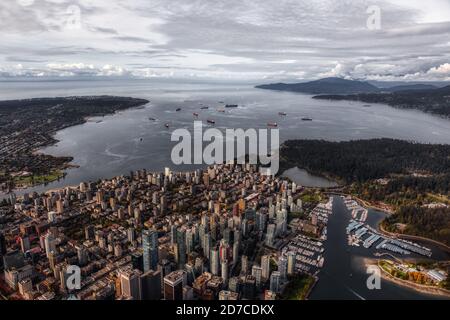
{"type": "Point", "coordinates": [66, 163]}
{"type": "Point", "coordinates": [415, 286]}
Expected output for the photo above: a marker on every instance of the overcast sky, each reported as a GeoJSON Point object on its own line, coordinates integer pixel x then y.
{"type": "Point", "coordinates": [226, 39]}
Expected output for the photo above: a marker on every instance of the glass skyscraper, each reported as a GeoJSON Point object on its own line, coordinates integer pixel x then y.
{"type": "Point", "coordinates": [150, 248]}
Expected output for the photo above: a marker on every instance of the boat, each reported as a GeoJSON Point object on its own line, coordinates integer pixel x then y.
{"type": "Point", "coordinates": [195, 114]}
{"type": "Point", "coordinates": [306, 119]}
{"type": "Point", "coordinates": [167, 125]}
{"type": "Point", "coordinates": [211, 121]}
{"type": "Point", "coordinates": [231, 106]}
{"type": "Point", "coordinates": [272, 124]}
{"type": "Point", "coordinates": [178, 109]}
{"type": "Point", "coordinates": [282, 113]}
{"type": "Point", "coordinates": [141, 139]}
{"type": "Point", "coordinates": [367, 105]}
{"type": "Point", "coordinates": [220, 110]}
{"type": "Point", "coordinates": [152, 119]}
{"type": "Point", "coordinates": [204, 108]}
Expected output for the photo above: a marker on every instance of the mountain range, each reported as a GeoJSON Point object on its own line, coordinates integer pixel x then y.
{"type": "Point", "coordinates": [425, 97]}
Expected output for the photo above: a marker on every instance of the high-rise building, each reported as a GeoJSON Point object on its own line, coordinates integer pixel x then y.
{"type": "Point", "coordinates": [173, 286]}
{"type": "Point", "coordinates": [275, 281]}
{"type": "Point", "coordinates": [2, 244]}
{"type": "Point", "coordinates": [49, 243]}
{"type": "Point", "coordinates": [151, 285]}
{"type": "Point", "coordinates": [214, 261]}
{"type": "Point", "coordinates": [265, 267]}
{"type": "Point", "coordinates": [257, 273]}
{"type": "Point", "coordinates": [181, 247]}
{"type": "Point", "coordinates": [150, 249]}
{"type": "Point", "coordinates": [130, 283]}
{"type": "Point", "coordinates": [291, 258]}
{"type": "Point", "coordinates": [82, 255]}
{"type": "Point", "coordinates": [244, 264]}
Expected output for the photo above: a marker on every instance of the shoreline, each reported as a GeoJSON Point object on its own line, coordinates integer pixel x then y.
{"type": "Point", "coordinates": [66, 165]}
{"type": "Point", "coordinates": [437, 291]}
{"type": "Point", "coordinates": [441, 245]}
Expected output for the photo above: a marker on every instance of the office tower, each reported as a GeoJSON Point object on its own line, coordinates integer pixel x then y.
{"type": "Point", "coordinates": [2, 244]}
{"type": "Point", "coordinates": [270, 235]}
{"type": "Point", "coordinates": [82, 255]}
{"type": "Point", "coordinates": [269, 295]}
{"type": "Point", "coordinates": [244, 264]}
{"type": "Point", "coordinates": [207, 243]}
{"type": "Point", "coordinates": [224, 249]}
{"type": "Point", "coordinates": [291, 258]}
{"type": "Point", "coordinates": [282, 268]}
{"type": "Point", "coordinates": [257, 273]}
{"type": "Point", "coordinates": [24, 244]}
{"type": "Point", "coordinates": [275, 281]}
{"type": "Point", "coordinates": [173, 286]}
{"type": "Point", "coordinates": [49, 243]}
{"type": "Point", "coordinates": [150, 249]}
{"type": "Point", "coordinates": [181, 247]}
{"type": "Point", "coordinates": [235, 252]}
{"type": "Point", "coordinates": [248, 287]}
{"type": "Point", "coordinates": [173, 234]}
{"type": "Point", "coordinates": [214, 261]}
{"type": "Point", "coordinates": [265, 267]}
{"type": "Point", "coordinates": [130, 283]}
{"type": "Point", "coordinates": [151, 285]}
{"type": "Point", "coordinates": [224, 269]}
{"type": "Point", "coordinates": [131, 235]}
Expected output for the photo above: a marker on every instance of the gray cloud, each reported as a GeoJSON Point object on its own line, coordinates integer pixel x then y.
{"type": "Point", "coordinates": [284, 39]}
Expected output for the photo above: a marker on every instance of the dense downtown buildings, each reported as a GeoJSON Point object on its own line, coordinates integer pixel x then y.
{"type": "Point", "coordinates": [219, 233]}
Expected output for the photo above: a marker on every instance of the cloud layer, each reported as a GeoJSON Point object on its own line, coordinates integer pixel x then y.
{"type": "Point", "coordinates": [233, 39]}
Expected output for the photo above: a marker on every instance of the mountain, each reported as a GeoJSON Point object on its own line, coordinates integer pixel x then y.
{"type": "Point", "coordinates": [409, 87]}
{"type": "Point", "coordinates": [435, 101]}
{"type": "Point", "coordinates": [326, 85]}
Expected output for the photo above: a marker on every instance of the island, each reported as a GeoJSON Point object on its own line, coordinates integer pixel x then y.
{"type": "Point", "coordinates": [28, 125]}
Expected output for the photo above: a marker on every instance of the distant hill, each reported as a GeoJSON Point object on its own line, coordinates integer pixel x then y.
{"type": "Point", "coordinates": [435, 101]}
{"type": "Point", "coordinates": [409, 87]}
{"type": "Point", "coordinates": [326, 85]}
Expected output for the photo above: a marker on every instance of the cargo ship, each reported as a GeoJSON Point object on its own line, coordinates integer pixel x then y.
{"type": "Point", "coordinates": [306, 119]}
{"type": "Point", "coordinates": [231, 106]}
{"type": "Point", "coordinates": [211, 121]}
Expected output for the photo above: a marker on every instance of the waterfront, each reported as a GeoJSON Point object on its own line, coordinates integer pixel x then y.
{"type": "Point", "coordinates": [344, 276]}
{"type": "Point", "coordinates": [129, 140]}
{"type": "Point", "coordinates": [116, 144]}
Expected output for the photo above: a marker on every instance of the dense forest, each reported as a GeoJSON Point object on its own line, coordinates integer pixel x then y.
{"type": "Point", "coordinates": [435, 101]}
{"type": "Point", "coordinates": [363, 160]}
{"type": "Point", "coordinates": [432, 223]}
